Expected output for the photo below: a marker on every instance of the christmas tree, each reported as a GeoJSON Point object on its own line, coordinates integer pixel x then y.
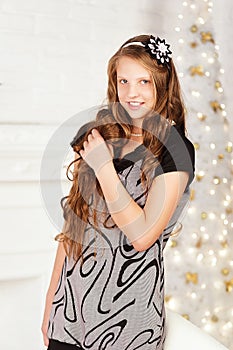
{"type": "Point", "coordinates": [199, 260]}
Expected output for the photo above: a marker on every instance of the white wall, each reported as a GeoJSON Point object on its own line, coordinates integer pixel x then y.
{"type": "Point", "coordinates": [53, 56]}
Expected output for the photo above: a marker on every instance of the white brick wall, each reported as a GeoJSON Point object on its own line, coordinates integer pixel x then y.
{"type": "Point", "coordinates": [53, 56]}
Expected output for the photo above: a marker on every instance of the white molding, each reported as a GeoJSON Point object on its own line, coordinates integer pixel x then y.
{"type": "Point", "coordinates": [25, 265]}
{"type": "Point", "coordinates": [22, 148]}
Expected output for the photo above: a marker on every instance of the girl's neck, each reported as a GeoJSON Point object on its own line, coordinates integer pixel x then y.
{"type": "Point", "coordinates": [136, 129]}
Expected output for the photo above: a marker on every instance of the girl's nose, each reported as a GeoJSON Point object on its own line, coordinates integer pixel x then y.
{"type": "Point", "coordinates": [132, 91]}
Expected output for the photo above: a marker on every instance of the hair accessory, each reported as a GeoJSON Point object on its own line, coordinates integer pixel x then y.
{"type": "Point", "coordinates": [159, 49]}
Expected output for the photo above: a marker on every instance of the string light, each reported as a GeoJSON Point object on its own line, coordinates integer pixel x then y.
{"type": "Point", "coordinates": [206, 236]}
{"type": "Point", "coordinates": [195, 93]}
{"type": "Point", "coordinates": [193, 295]}
{"type": "Point", "coordinates": [211, 60]}
{"type": "Point", "coordinates": [224, 113]}
{"type": "Point", "coordinates": [212, 216]}
{"type": "Point", "coordinates": [201, 20]}
{"type": "Point", "coordinates": [200, 257]}
{"type": "Point", "coordinates": [222, 105]}
{"type": "Point", "coordinates": [212, 145]}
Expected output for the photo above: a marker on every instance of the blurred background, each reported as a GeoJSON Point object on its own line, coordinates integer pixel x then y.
{"type": "Point", "coordinates": [54, 55]}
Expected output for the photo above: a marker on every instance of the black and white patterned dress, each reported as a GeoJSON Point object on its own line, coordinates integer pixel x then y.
{"type": "Point", "coordinates": [115, 300]}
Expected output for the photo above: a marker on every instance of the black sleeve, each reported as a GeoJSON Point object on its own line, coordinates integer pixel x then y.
{"type": "Point", "coordinates": [178, 155]}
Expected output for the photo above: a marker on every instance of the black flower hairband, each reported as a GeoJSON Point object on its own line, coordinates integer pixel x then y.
{"type": "Point", "coordinates": [157, 48]}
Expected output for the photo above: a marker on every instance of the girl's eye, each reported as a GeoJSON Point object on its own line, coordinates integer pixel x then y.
{"type": "Point", "coordinates": [144, 81]}
{"type": "Point", "coordinates": [123, 81]}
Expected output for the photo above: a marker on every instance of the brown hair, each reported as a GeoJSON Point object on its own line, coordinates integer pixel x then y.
{"type": "Point", "coordinates": [113, 123]}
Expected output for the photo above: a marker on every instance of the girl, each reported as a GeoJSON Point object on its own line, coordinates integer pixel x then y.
{"type": "Point", "coordinates": [130, 182]}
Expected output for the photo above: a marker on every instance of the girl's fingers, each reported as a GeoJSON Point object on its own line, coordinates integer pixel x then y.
{"type": "Point", "coordinates": [46, 341]}
{"type": "Point", "coordinates": [85, 143]}
{"type": "Point", "coordinates": [45, 337]}
{"type": "Point", "coordinates": [90, 137]}
{"type": "Point", "coordinates": [95, 133]}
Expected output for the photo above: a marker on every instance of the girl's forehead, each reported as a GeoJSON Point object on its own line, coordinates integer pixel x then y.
{"type": "Point", "coordinates": [129, 66]}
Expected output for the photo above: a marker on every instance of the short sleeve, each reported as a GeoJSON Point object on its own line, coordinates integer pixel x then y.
{"type": "Point", "coordinates": [178, 155]}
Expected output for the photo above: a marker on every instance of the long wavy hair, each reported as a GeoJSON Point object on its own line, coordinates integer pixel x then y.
{"type": "Point", "coordinates": [114, 124]}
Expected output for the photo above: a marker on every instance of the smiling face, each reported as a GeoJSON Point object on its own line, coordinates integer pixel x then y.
{"type": "Point", "coordinates": [135, 88]}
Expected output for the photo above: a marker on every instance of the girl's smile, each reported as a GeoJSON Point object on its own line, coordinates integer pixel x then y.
{"type": "Point", "coordinates": [134, 105]}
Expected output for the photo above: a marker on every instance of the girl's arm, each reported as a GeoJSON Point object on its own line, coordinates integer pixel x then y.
{"type": "Point", "coordinates": [141, 226]}
{"type": "Point", "coordinates": [57, 268]}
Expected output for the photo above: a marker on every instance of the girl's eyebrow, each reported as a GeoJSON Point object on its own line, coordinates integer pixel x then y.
{"type": "Point", "coordinates": [139, 78]}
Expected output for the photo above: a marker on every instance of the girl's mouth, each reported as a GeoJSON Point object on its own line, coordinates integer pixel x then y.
{"type": "Point", "coordinates": [134, 105]}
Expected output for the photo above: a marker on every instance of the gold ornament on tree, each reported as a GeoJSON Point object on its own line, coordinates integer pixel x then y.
{"type": "Point", "coordinates": [229, 211]}
{"type": "Point", "coordinates": [199, 243]}
{"type": "Point", "coordinates": [191, 277]}
{"type": "Point", "coordinates": [186, 316]}
{"type": "Point", "coordinates": [221, 156]}
{"type": "Point", "coordinates": [218, 86]}
{"type": "Point", "coordinates": [173, 243]}
{"type": "Point", "coordinates": [225, 271]}
{"type": "Point", "coordinates": [204, 215]}
{"type": "Point", "coordinates": [200, 176]}
{"type": "Point", "coordinates": [197, 70]}
{"type": "Point", "coordinates": [229, 147]}
{"type": "Point", "coordinates": [214, 319]}
{"type": "Point", "coordinates": [224, 244]}
{"type": "Point", "coordinates": [192, 195]}
{"type": "Point", "coordinates": [229, 285]}
{"type": "Point", "coordinates": [193, 44]}
{"type": "Point", "coordinates": [167, 298]}
{"type": "Point", "coordinates": [194, 28]}
{"type": "Point", "coordinates": [201, 117]}
{"type": "Point", "coordinates": [215, 106]}
{"type": "Point", "coordinates": [207, 37]}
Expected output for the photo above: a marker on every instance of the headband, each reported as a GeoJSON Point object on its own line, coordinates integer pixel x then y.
{"type": "Point", "coordinates": [157, 48]}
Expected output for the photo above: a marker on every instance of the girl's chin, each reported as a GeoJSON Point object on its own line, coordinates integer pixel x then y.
{"type": "Point", "coordinates": [137, 114]}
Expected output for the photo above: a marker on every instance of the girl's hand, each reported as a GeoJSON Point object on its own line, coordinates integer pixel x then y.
{"type": "Point", "coordinates": [96, 152]}
{"type": "Point", "coordinates": [44, 329]}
